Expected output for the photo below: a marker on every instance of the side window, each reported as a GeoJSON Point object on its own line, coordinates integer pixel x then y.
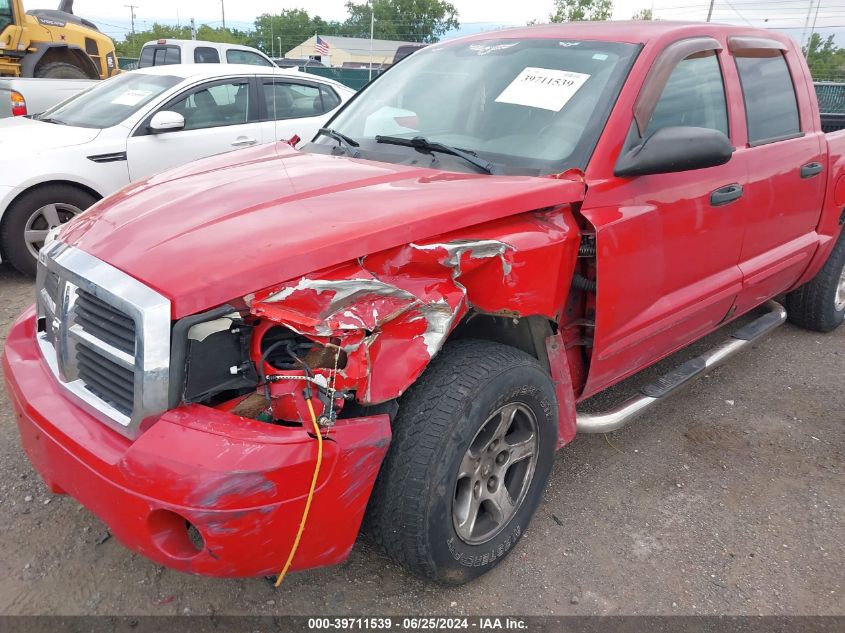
{"type": "Point", "coordinates": [694, 95]}
{"type": "Point", "coordinates": [5, 14]}
{"type": "Point", "coordinates": [216, 106]}
{"type": "Point", "coordinates": [206, 55]}
{"type": "Point", "coordinates": [235, 56]}
{"type": "Point", "coordinates": [330, 98]}
{"type": "Point", "coordinates": [292, 101]}
{"type": "Point", "coordinates": [771, 108]}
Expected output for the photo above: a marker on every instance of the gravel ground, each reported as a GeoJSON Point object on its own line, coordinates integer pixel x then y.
{"type": "Point", "coordinates": [728, 499]}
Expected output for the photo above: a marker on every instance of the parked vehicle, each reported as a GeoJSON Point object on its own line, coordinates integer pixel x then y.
{"type": "Point", "coordinates": [404, 51]}
{"type": "Point", "coordinates": [136, 125]}
{"type": "Point", "coordinates": [168, 52]}
{"type": "Point", "coordinates": [53, 44]}
{"type": "Point", "coordinates": [437, 313]}
{"type": "Point", "coordinates": [22, 97]}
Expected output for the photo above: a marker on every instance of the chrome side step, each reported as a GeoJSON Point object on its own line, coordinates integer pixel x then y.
{"type": "Point", "coordinates": [678, 378]}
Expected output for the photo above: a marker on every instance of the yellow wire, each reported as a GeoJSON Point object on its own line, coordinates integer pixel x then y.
{"type": "Point", "coordinates": [310, 493]}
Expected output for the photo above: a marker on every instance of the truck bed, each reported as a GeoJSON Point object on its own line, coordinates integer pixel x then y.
{"type": "Point", "coordinates": [40, 94]}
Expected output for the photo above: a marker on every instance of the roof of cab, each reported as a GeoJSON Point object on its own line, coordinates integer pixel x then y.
{"type": "Point", "coordinates": [628, 31]}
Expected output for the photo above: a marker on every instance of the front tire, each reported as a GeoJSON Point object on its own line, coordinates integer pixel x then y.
{"type": "Point", "coordinates": [473, 446]}
{"type": "Point", "coordinates": [819, 305]}
{"type": "Point", "coordinates": [29, 218]}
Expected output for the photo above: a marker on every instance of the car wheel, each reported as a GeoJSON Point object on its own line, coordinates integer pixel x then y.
{"type": "Point", "coordinates": [31, 217]}
{"type": "Point", "coordinates": [819, 305]}
{"type": "Point", "coordinates": [473, 445]}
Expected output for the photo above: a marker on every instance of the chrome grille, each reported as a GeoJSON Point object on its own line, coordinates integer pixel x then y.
{"type": "Point", "coordinates": [105, 336]}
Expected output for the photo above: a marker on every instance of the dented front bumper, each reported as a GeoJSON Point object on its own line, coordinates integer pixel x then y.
{"type": "Point", "coordinates": [201, 491]}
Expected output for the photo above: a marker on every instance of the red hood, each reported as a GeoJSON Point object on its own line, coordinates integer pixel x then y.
{"type": "Point", "coordinates": [212, 232]}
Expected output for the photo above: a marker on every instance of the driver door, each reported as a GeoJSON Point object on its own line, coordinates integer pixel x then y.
{"type": "Point", "coordinates": [669, 244]}
{"type": "Point", "coordinates": [220, 116]}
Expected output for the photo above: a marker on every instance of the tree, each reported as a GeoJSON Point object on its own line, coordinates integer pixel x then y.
{"type": "Point", "coordinates": [580, 10]}
{"type": "Point", "coordinates": [643, 14]}
{"type": "Point", "coordinates": [825, 59]}
{"type": "Point", "coordinates": [292, 27]}
{"type": "Point", "coordinates": [408, 20]}
{"type": "Point", "coordinates": [131, 46]}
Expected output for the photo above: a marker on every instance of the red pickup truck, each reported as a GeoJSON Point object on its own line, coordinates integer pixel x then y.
{"type": "Point", "coordinates": [235, 363]}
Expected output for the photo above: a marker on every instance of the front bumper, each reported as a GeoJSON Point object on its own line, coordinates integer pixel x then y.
{"type": "Point", "coordinates": [240, 483]}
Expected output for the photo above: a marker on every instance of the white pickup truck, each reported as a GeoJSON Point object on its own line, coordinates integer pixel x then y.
{"type": "Point", "coordinates": [19, 97]}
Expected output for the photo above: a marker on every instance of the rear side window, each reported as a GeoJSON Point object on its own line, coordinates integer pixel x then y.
{"type": "Point", "coordinates": [235, 56]}
{"type": "Point", "coordinates": [292, 101]}
{"type": "Point", "coordinates": [771, 108]}
{"type": "Point", "coordinates": [694, 95]}
{"type": "Point", "coordinates": [330, 98]}
{"type": "Point", "coordinates": [206, 55]}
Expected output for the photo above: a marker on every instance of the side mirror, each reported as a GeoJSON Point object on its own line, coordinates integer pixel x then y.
{"type": "Point", "coordinates": [673, 149]}
{"type": "Point", "coordinates": [166, 121]}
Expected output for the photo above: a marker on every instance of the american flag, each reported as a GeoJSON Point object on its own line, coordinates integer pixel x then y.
{"type": "Point", "coordinates": [322, 46]}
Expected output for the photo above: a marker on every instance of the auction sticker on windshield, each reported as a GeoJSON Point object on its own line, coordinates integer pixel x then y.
{"type": "Point", "coordinates": [543, 88]}
{"type": "Point", "coordinates": [131, 97]}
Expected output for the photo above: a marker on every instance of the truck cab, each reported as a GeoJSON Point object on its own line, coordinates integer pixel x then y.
{"type": "Point", "coordinates": [232, 362]}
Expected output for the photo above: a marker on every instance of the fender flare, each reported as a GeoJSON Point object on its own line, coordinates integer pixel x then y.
{"type": "Point", "coordinates": [30, 62]}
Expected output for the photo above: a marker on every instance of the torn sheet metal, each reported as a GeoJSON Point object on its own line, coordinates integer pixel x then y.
{"type": "Point", "coordinates": [392, 311]}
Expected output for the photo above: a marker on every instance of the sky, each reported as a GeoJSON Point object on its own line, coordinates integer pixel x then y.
{"type": "Point", "coordinates": [475, 15]}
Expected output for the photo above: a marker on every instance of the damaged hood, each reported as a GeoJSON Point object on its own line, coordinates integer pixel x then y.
{"type": "Point", "coordinates": [209, 233]}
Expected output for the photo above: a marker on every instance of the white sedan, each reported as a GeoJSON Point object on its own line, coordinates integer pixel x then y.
{"type": "Point", "coordinates": [59, 163]}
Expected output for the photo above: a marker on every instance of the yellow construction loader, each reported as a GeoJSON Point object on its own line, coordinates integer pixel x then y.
{"type": "Point", "coordinates": [53, 44]}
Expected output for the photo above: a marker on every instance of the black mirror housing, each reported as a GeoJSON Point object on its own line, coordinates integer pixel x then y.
{"type": "Point", "coordinates": [674, 149]}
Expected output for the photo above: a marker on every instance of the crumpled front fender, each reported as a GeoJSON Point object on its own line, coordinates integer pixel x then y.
{"type": "Point", "coordinates": [392, 311]}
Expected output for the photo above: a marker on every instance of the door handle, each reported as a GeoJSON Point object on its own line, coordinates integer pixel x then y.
{"type": "Point", "coordinates": [243, 141]}
{"type": "Point", "coordinates": [725, 195]}
{"type": "Point", "coordinates": [811, 169]}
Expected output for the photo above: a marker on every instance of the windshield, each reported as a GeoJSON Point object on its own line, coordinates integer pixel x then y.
{"type": "Point", "coordinates": [5, 14]}
{"type": "Point", "coordinates": [110, 102]}
{"type": "Point", "coordinates": [534, 106]}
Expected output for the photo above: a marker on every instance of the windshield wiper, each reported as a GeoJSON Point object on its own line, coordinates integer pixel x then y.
{"type": "Point", "coordinates": [49, 120]}
{"type": "Point", "coordinates": [424, 145]}
{"type": "Point", "coordinates": [349, 144]}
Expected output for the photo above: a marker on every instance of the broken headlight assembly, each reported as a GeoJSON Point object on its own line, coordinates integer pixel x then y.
{"type": "Point", "coordinates": [256, 369]}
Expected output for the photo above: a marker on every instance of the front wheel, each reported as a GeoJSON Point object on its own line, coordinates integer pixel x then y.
{"type": "Point", "coordinates": [31, 217]}
{"type": "Point", "coordinates": [819, 304]}
{"type": "Point", "coordinates": [473, 445]}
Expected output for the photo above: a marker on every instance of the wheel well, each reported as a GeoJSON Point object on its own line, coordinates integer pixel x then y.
{"type": "Point", "coordinates": [42, 185]}
{"type": "Point", "coordinates": [528, 334]}
{"type": "Point", "coordinates": [69, 55]}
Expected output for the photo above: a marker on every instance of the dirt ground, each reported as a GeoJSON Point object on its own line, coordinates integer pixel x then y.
{"type": "Point", "coordinates": [730, 498]}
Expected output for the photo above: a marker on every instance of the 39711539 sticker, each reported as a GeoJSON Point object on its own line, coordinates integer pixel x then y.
{"type": "Point", "coordinates": [544, 88]}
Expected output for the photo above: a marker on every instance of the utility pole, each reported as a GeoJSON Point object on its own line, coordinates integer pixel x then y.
{"type": "Point", "coordinates": [223, 9]}
{"type": "Point", "coordinates": [272, 43]}
{"type": "Point", "coordinates": [372, 31]}
{"type": "Point", "coordinates": [710, 10]}
{"type": "Point", "coordinates": [806, 23]}
{"type": "Point", "coordinates": [281, 54]}
{"type": "Point", "coordinates": [132, 8]}
{"type": "Point", "coordinates": [193, 29]}
{"type": "Point", "coordinates": [813, 29]}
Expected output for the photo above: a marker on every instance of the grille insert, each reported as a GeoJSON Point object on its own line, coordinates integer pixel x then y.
{"type": "Point", "coordinates": [106, 379]}
{"type": "Point", "coordinates": [105, 322]}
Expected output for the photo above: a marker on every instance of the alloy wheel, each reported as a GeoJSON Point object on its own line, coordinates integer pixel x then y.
{"type": "Point", "coordinates": [495, 473]}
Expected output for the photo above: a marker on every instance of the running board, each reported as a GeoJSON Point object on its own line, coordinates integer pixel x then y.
{"type": "Point", "coordinates": [678, 378]}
